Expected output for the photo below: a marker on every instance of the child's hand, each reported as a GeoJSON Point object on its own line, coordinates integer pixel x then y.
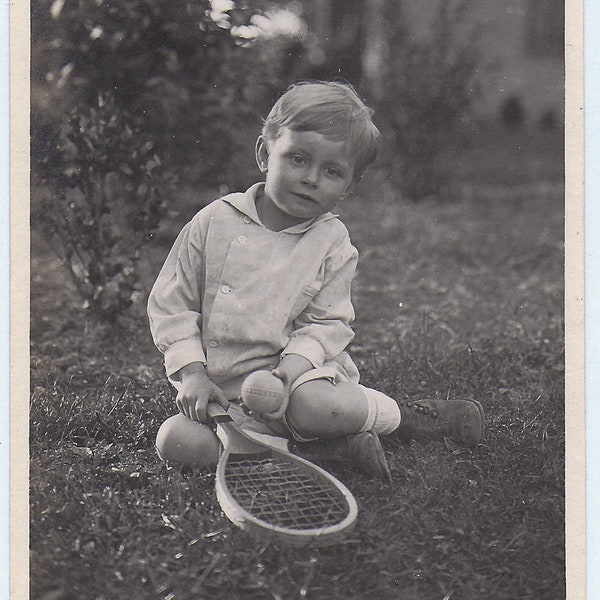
{"type": "Point", "coordinates": [196, 391]}
{"type": "Point", "coordinates": [288, 370]}
{"type": "Point", "coordinates": [277, 414]}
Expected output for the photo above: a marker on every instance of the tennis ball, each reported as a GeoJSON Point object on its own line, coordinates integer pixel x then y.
{"type": "Point", "coordinates": [262, 392]}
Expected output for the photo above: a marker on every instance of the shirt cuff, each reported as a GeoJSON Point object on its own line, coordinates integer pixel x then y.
{"type": "Point", "coordinates": [183, 353]}
{"type": "Point", "coordinates": [308, 348]}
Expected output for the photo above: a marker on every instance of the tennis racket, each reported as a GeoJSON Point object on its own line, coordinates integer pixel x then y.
{"type": "Point", "coordinates": [275, 495]}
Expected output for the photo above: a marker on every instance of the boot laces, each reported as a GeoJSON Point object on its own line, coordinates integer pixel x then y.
{"type": "Point", "coordinates": [422, 409]}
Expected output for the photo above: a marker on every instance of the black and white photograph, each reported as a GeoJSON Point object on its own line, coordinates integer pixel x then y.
{"type": "Point", "coordinates": [297, 300]}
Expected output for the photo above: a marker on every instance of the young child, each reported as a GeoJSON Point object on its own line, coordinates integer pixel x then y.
{"type": "Point", "coordinates": [261, 280]}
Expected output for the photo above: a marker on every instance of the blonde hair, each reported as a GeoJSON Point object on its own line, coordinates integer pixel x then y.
{"type": "Point", "coordinates": [333, 109]}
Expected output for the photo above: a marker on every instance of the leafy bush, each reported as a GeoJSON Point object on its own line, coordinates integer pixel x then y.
{"type": "Point", "coordinates": [176, 65]}
{"type": "Point", "coordinates": [105, 187]}
{"type": "Point", "coordinates": [431, 89]}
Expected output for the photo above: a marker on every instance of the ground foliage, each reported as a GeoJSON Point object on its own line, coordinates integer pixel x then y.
{"type": "Point", "coordinates": [461, 298]}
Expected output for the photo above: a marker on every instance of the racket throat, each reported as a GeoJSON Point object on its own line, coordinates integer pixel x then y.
{"type": "Point", "coordinates": [238, 446]}
{"type": "Point", "coordinates": [238, 457]}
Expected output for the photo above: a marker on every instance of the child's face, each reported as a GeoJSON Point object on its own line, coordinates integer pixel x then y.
{"type": "Point", "coordinates": [307, 173]}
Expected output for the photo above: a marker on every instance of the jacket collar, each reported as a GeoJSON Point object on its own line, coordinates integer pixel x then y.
{"type": "Point", "coordinates": [245, 202]}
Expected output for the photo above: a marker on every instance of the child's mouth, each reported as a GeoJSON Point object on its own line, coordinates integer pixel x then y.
{"type": "Point", "coordinates": [304, 196]}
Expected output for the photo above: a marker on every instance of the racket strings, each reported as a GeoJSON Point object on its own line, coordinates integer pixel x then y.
{"type": "Point", "coordinates": [284, 494]}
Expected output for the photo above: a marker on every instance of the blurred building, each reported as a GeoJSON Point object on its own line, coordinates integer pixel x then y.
{"type": "Point", "coordinates": [521, 76]}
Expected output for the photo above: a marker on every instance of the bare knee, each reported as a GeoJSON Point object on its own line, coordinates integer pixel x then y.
{"type": "Point", "coordinates": [302, 410]}
{"type": "Point", "coordinates": [320, 409]}
{"type": "Point", "coordinates": [186, 442]}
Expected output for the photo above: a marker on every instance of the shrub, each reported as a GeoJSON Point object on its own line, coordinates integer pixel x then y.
{"type": "Point", "coordinates": [104, 190]}
{"type": "Point", "coordinates": [176, 65]}
{"type": "Point", "coordinates": [431, 89]}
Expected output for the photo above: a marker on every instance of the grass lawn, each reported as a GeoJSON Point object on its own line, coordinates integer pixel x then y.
{"type": "Point", "coordinates": [455, 298]}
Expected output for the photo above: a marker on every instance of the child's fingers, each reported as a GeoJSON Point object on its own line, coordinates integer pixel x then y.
{"type": "Point", "coordinates": [277, 415]}
{"type": "Point", "coordinates": [282, 375]}
{"type": "Point", "coordinates": [182, 406]}
{"type": "Point", "coordinates": [199, 412]}
{"type": "Point", "coordinates": [191, 407]}
{"type": "Point", "coordinates": [219, 396]}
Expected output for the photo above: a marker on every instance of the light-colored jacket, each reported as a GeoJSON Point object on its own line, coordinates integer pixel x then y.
{"type": "Point", "coordinates": [237, 296]}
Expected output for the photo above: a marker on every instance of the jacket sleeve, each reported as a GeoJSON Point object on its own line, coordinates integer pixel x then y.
{"type": "Point", "coordinates": [174, 305]}
{"type": "Point", "coordinates": [323, 329]}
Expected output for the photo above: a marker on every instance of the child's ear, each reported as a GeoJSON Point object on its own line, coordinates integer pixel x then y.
{"type": "Point", "coordinates": [262, 153]}
{"type": "Point", "coordinates": [349, 190]}
{"type": "Point", "coordinates": [352, 186]}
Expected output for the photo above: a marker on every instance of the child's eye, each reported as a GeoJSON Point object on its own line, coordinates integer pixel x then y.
{"type": "Point", "coordinates": [332, 172]}
{"type": "Point", "coordinates": [297, 159]}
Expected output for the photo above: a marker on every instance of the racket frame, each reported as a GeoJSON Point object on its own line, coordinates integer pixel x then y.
{"type": "Point", "coordinates": [235, 442]}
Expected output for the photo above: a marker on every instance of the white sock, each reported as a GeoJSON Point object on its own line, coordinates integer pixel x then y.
{"type": "Point", "coordinates": [384, 413]}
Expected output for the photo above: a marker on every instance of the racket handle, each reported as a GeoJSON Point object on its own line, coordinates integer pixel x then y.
{"type": "Point", "coordinates": [217, 413]}
{"type": "Point", "coordinates": [236, 440]}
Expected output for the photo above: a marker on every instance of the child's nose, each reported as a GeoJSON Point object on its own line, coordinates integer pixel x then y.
{"type": "Point", "coordinates": [311, 176]}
